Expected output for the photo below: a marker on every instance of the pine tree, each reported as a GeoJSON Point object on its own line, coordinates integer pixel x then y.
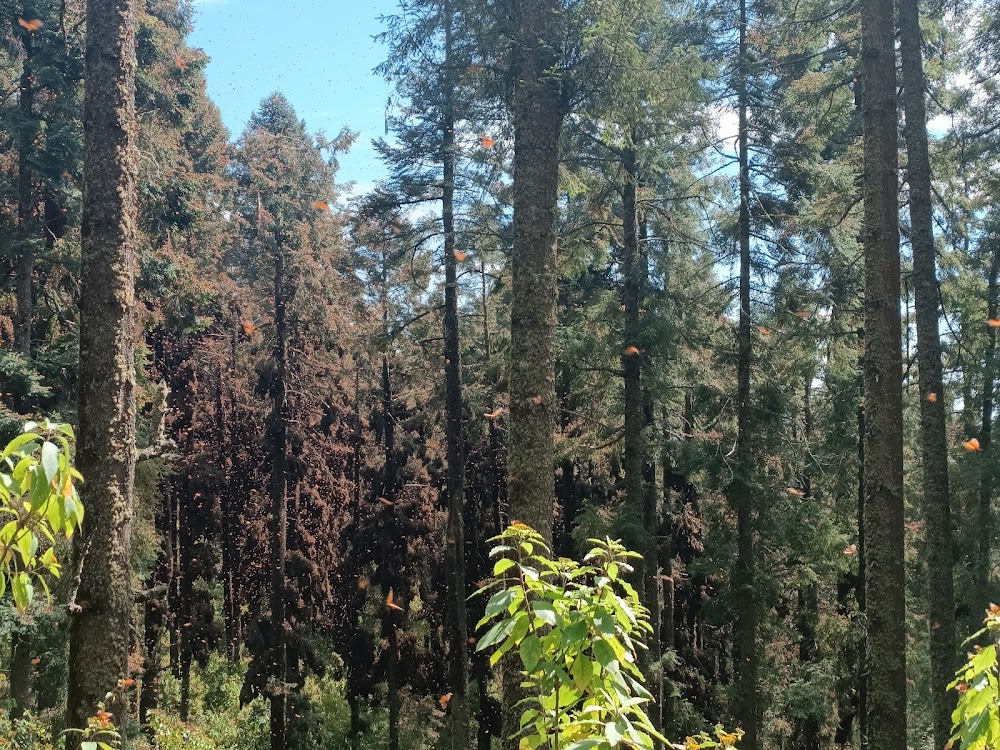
{"type": "Point", "coordinates": [933, 439]}
{"type": "Point", "coordinates": [883, 441]}
{"type": "Point", "coordinates": [103, 604]}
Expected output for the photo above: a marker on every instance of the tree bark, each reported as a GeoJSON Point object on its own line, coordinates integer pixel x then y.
{"type": "Point", "coordinates": [454, 438]}
{"type": "Point", "coordinates": [740, 491]}
{"type": "Point", "coordinates": [537, 124]}
{"type": "Point", "coordinates": [26, 208]}
{"type": "Point", "coordinates": [933, 439]}
{"type": "Point", "coordinates": [537, 120]}
{"type": "Point", "coordinates": [885, 573]}
{"type": "Point", "coordinates": [21, 672]}
{"type": "Point", "coordinates": [106, 400]}
{"type": "Point", "coordinates": [279, 503]}
{"type": "Point", "coordinates": [985, 520]}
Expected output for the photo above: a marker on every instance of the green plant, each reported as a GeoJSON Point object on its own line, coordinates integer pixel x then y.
{"type": "Point", "coordinates": [38, 494]}
{"type": "Point", "coordinates": [576, 629]}
{"type": "Point", "coordinates": [976, 718]}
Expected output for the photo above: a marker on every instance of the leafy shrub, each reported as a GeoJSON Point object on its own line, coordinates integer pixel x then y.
{"type": "Point", "coordinates": [577, 630]}
{"type": "Point", "coordinates": [976, 718]}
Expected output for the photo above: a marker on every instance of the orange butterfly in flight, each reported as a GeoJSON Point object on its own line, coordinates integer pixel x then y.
{"type": "Point", "coordinates": [391, 604]}
{"type": "Point", "coordinates": [971, 445]}
{"type": "Point", "coordinates": [993, 322]}
{"type": "Point", "coordinates": [33, 25]}
{"type": "Point", "coordinates": [320, 205]}
{"type": "Point", "coordinates": [631, 351]}
{"type": "Point", "coordinates": [460, 256]}
{"type": "Point", "coordinates": [796, 492]}
{"type": "Point", "coordinates": [487, 142]}
{"type": "Point", "coordinates": [932, 397]}
{"type": "Point", "coordinates": [443, 700]}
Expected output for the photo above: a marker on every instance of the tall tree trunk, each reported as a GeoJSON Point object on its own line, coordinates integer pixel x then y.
{"type": "Point", "coordinates": [806, 730]}
{"type": "Point", "coordinates": [26, 208]}
{"type": "Point", "coordinates": [279, 502]}
{"type": "Point", "coordinates": [454, 438]}
{"type": "Point", "coordinates": [885, 573]}
{"type": "Point", "coordinates": [395, 618]}
{"type": "Point", "coordinates": [640, 487]}
{"type": "Point", "coordinates": [985, 523]}
{"type": "Point", "coordinates": [862, 672]}
{"type": "Point", "coordinates": [740, 491]}
{"type": "Point", "coordinates": [106, 449]}
{"type": "Point", "coordinates": [537, 120]}
{"type": "Point", "coordinates": [933, 440]}
{"type": "Point", "coordinates": [21, 673]}
{"type": "Point", "coordinates": [537, 124]}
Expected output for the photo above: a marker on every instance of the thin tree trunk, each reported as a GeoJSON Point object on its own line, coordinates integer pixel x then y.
{"type": "Point", "coordinates": [862, 671]}
{"type": "Point", "coordinates": [985, 523]}
{"type": "Point", "coordinates": [740, 492]}
{"type": "Point", "coordinates": [26, 208]}
{"type": "Point", "coordinates": [885, 573]}
{"type": "Point", "coordinates": [279, 503]}
{"type": "Point", "coordinates": [454, 438]}
{"type": "Point", "coordinates": [106, 448]}
{"type": "Point", "coordinates": [807, 729]}
{"type": "Point", "coordinates": [933, 439]}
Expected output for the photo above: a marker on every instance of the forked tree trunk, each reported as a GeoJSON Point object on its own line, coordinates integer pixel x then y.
{"type": "Point", "coordinates": [106, 449]}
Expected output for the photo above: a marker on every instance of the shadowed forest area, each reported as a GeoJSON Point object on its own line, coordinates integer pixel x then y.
{"type": "Point", "coordinates": [699, 294]}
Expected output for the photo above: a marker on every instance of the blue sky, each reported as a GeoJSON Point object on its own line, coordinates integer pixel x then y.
{"type": "Point", "coordinates": [319, 53]}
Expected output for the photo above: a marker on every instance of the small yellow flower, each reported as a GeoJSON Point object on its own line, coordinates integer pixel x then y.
{"type": "Point", "coordinates": [691, 743]}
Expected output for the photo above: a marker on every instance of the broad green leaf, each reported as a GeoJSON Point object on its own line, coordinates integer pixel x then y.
{"type": "Point", "coordinates": [502, 565]}
{"type": "Point", "coordinates": [499, 602]}
{"type": "Point", "coordinates": [50, 461]}
{"type": "Point", "coordinates": [495, 635]}
{"type": "Point", "coordinates": [582, 671]}
{"type": "Point", "coordinates": [603, 652]}
{"type": "Point", "coordinates": [574, 633]}
{"type": "Point", "coordinates": [615, 732]}
{"type": "Point", "coordinates": [23, 591]}
{"type": "Point", "coordinates": [545, 611]}
{"type": "Point", "coordinates": [531, 651]}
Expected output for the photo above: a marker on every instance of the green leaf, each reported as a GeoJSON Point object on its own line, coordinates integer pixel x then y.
{"type": "Point", "coordinates": [19, 444]}
{"type": "Point", "coordinates": [50, 461]}
{"type": "Point", "coordinates": [531, 652]}
{"type": "Point", "coordinates": [499, 602]}
{"type": "Point", "coordinates": [603, 652]}
{"type": "Point", "coordinates": [582, 671]}
{"type": "Point", "coordinates": [615, 732]}
{"type": "Point", "coordinates": [574, 633]}
{"type": "Point", "coordinates": [502, 565]}
{"type": "Point", "coordinates": [545, 611]}
{"type": "Point", "coordinates": [88, 746]}
{"type": "Point", "coordinates": [495, 635]}
{"type": "Point", "coordinates": [22, 591]}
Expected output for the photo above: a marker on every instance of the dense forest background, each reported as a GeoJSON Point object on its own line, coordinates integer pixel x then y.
{"type": "Point", "coordinates": [335, 396]}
